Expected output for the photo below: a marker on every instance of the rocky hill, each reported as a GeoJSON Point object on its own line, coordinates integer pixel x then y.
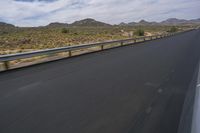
{"type": "Point", "coordinates": [6, 25]}
{"type": "Point", "coordinates": [170, 21]}
{"type": "Point", "coordinates": [89, 22]}
{"type": "Point", "coordinates": [57, 24]}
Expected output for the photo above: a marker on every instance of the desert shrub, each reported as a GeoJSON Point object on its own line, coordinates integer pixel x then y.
{"type": "Point", "coordinates": [3, 32]}
{"type": "Point", "coordinates": [173, 29]}
{"type": "Point", "coordinates": [65, 30]}
{"type": "Point", "coordinates": [75, 33]}
{"type": "Point", "coordinates": [139, 32]}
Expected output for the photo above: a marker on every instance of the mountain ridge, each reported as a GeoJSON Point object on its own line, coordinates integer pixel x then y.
{"type": "Point", "coordinates": [89, 22]}
{"type": "Point", "coordinates": [3, 24]}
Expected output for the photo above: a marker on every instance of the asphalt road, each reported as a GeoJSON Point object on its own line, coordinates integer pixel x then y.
{"type": "Point", "coordinates": [133, 89]}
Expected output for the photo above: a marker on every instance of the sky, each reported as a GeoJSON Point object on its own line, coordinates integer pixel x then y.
{"type": "Point", "coordinates": [42, 12]}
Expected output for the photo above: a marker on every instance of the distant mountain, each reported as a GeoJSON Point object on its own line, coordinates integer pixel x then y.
{"type": "Point", "coordinates": [93, 23]}
{"type": "Point", "coordinates": [174, 21]}
{"type": "Point", "coordinates": [89, 22]}
{"type": "Point", "coordinates": [57, 24]}
{"type": "Point", "coordinates": [142, 23]}
{"type": "Point", "coordinates": [170, 21]}
{"type": "Point", "coordinates": [123, 24]}
{"type": "Point", "coordinates": [132, 23]}
{"type": "Point", "coordinates": [6, 28]}
{"type": "Point", "coordinates": [6, 25]}
{"type": "Point", "coordinates": [195, 21]}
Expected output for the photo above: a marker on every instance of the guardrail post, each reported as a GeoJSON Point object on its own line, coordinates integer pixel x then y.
{"type": "Point", "coordinates": [6, 65]}
{"type": "Point", "coordinates": [122, 43]}
{"type": "Point", "coordinates": [70, 53]}
{"type": "Point", "coordinates": [101, 47]}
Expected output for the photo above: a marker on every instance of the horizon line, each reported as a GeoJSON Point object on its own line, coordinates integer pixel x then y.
{"type": "Point", "coordinates": [98, 21]}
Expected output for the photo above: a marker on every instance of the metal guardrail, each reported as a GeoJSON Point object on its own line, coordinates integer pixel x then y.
{"type": "Point", "coordinates": [5, 59]}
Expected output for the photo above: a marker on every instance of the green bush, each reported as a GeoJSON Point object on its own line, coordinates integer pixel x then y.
{"type": "Point", "coordinates": [65, 30]}
{"type": "Point", "coordinates": [139, 32]}
{"type": "Point", "coordinates": [173, 29]}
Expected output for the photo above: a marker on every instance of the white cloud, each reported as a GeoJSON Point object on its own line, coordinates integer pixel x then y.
{"type": "Point", "coordinates": [112, 11]}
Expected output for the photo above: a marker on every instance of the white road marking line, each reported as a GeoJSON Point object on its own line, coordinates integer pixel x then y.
{"type": "Point", "coordinates": [198, 85]}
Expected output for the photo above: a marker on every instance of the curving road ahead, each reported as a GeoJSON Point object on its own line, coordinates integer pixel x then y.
{"type": "Point", "coordinates": [132, 89]}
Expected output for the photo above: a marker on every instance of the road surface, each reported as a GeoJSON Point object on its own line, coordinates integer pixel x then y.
{"type": "Point", "coordinates": [133, 89]}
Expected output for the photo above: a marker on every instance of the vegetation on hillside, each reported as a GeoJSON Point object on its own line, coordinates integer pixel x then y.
{"type": "Point", "coordinates": [65, 30]}
{"type": "Point", "coordinates": [173, 29]}
{"type": "Point", "coordinates": [139, 32]}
